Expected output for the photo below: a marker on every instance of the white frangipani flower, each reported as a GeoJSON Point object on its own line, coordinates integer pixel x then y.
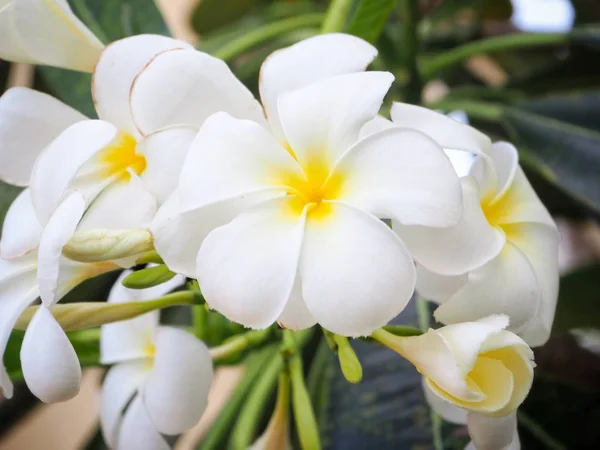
{"type": "Point", "coordinates": [46, 32]}
{"type": "Point", "coordinates": [306, 244]}
{"type": "Point", "coordinates": [166, 371]}
{"type": "Point", "coordinates": [503, 256]}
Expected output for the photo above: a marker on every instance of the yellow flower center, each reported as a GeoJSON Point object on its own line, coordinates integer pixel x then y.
{"type": "Point", "coordinates": [119, 156]}
{"type": "Point", "coordinates": [499, 212]}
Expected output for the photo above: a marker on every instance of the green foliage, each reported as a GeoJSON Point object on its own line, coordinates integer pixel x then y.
{"type": "Point", "coordinates": [370, 17]}
{"type": "Point", "coordinates": [213, 14]}
{"type": "Point", "coordinates": [578, 305]}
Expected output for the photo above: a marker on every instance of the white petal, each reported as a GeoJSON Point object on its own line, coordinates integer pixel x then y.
{"type": "Point", "coordinates": [18, 289]}
{"type": "Point", "coordinates": [458, 249]}
{"type": "Point", "coordinates": [308, 61]}
{"type": "Point", "coordinates": [137, 431]}
{"type": "Point", "coordinates": [438, 288]}
{"type": "Point", "coordinates": [114, 75]}
{"type": "Point", "coordinates": [21, 230]}
{"type": "Point", "coordinates": [247, 268]}
{"type": "Point", "coordinates": [249, 156]}
{"type": "Point", "coordinates": [493, 433]}
{"type": "Point", "coordinates": [124, 204]}
{"type": "Point", "coordinates": [58, 164]}
{"type": "Point", "coordinates": [322, 120]}
{"type": "Point", "coordinates": [446, 410]}
{"type": "Point", "coordinates": [178, 235]}
{"type": "Point", "coordinates": [176, 392]}
{"type": "Point", "coordinates": [506, 285]}
{"type": "Point", "coordinates": [296, 315]}
{"type": "Point", "coordinates": [198, 85]}
{"type": "Point", "coordinates": [540, 244]}
{"type": "Point", "coordinates": [356, 274]}
{"type": "Point", "coordinates": [29, 121]}
{"type": "Point", "coordinates": [57, 233]}
{"type": "Point", "coordinates": [506, 162]}
{"type": "Point", "coordinates": [446, 131]}
{"type": "Point", "coordinates": [50, 365]}
{"type": "Point", "coordinates": [165, 152]}
{"type": "Point", "coordinates": [121, 383]}
{"type": "Point", "coordinates": [375, 125]}
{"type": "Point", "coordinates": [11, 46]}
{"type": "Point", "coordinates": [401, 174]}
{"type": "Point", "coordinates": [53, 35]}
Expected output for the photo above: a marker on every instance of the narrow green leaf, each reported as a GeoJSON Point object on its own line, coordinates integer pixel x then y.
{"type": "Point", "coordinates": [369, 19]}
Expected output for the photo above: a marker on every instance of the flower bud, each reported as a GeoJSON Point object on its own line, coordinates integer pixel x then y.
{"type": "Point", "coordinates": [148, 277]}
{"type": "Point", "coordinates": [477, 366]}
{"type": "Point", "coordinates": [106, 245]}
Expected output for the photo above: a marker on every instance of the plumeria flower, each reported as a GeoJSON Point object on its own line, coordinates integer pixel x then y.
{"type": "Point", "coordinates": [281, 221]}
{"type": "Point", "coordinates": [487, 433]}
{"type": "Point", "coordinates": [46, 32]}
{"type": "Point", "coordinates": [49, 363]}
{"type": "Point", "coordinates": [478, 366]}
{"type": "Point", "coordinates": [503, 255]}
{"type": "Point", "coordinates": [160, 380]}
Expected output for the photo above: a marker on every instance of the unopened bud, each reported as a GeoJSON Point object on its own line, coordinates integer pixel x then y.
{"type": "Point", "coordinates": [148, 277]}
{"type": "Point", "coordinates": [106, 245]}
{"type": "Point", "coordinates": [349, 362]}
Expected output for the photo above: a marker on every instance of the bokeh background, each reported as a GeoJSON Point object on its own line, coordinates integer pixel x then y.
{"type": "Point", "coordinates": [546, 99]}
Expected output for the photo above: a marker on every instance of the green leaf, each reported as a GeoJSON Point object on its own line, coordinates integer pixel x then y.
{"type": "Point", "coordinates": [213, 14]}
{"type": "Point", "coordinates": [565, 154]}
{"type": "Point", "coordinates": [110, 20]}
{"type": "Point", "coordinates": [578, 305]}
{"type": "Point", "coordinates": [370, 17]}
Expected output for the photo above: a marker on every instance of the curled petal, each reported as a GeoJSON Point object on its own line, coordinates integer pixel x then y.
{"type": "Point", "coordinates": [29, 121]}
{"type": "Point", "coordinates": [199, 85]}
{"type": "Point", "coordinates": [50, 365]}
{"type": "Point", "coordinates": [114, 75]}
{"type": "Point", "coordinates": [400, 174]}
{"type": "Point", "coordinates": [247, 268]}
{"type": "Point", "coordinates": [356, 274]}
{"type": "Point", "coordinates": [53, 35]}
{"type": "Point", "coordinates": [21, 230]}
{"type": "Point", "coordinates": [306, 62]}
{"type": "Point", "coordinates": [176, 392]}
{"type": "Point", "coordinates": [446, 410]}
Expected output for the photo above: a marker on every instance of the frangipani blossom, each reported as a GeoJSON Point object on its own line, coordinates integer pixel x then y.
{"type": "Point", "coordinates": [305, 194]}
{"type": "Point", "coordinates": [478, 366]}
{"type": "Point", "coordinates": [46, 32]}
{"type": "Point", "coordinates": [49, 363]}
{"type": "Point", "coordinates": [487, 433]}
{"type": "Point", "coordinates": [503, 256]}
{"type": "Point", "coordinates": [166, 371]}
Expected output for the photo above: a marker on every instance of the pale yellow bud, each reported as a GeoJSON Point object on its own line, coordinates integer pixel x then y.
{"type": "Point", "coordinates": [106, 245]}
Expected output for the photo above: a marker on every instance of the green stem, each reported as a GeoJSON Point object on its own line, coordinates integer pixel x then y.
{"type": "Point", "coordinates": [199, 314]}
{"type": "Point", "coordinates": [247, 423]}
{"type": "Point", "coordinates": [474, 109]}
{"type": "Point", "coordinates": [423, 314]}
{"type": "Point", "coordinates": [535, 429]}
{"type": "Point", "coordinates": [410, 15]}
{"type": "Point", "coordinates": [238, 344]}
{"type": "Point", "coordinates": [513, 41]}
{"type": "Point", "coordinates": [336, 16]}
{"type": "Point", "coordinates": [262, 34]}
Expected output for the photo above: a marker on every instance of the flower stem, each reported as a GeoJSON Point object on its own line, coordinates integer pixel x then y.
{"type": "Point", "coordinates": [410, 41]}
{"type": "Point", "coordinates": [336, 16]}
{"type": "Point", "coordinates": [263, 34]}
{"type": "Point", "coordinates": [513, 41]}
{"type": "Point", "coordinates": [237, 344]}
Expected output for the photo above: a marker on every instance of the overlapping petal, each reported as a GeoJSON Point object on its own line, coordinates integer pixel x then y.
{"type": "Point", "coordinates": [231, 158]}
{"type": "Point", "coordinates": [114, 75]}
{"type": "Point", "coordinates": [247, 268]}
{"type": "Point", "coordinates": [400, 174]}
{"type": "Point", "coordinates": [356, 274]}
{"type": "Point", "coordinates": [29, 121]}
{"type": "Point", "coordinates": [11, 46]}
{"type": "Point", "coordinates": [119, 386]}
{"type": "Point", "coordinates": [458, 249]}
{"type": "Point", "coordinates": [446, 410]}
{"type": "Point", "coordinates": [21, 230]}
{"type": "Point", "coordinates": [323, 120]}
{"type": "Point", "coordinates": [493, 433]}
{"type": "Point", "coordinates": [176, 391]}
{"type": "Point", "coordinates": [138, 431]}
{"type": "Point", "coordinates": [198, 85]}
{"type": "Point", "coordinates": [50, 365]}
{"type": "Point", "coordinates": [53, 35]}
{"type": "Point", "coordinates": [295, 315]}
{"type": "Point", "coordinates": [438, 288]}
{"type": "Point", "coordinates": [306, 62]}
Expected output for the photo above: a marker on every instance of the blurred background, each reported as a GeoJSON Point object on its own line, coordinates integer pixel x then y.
{"type": "Point", "coordinates": [544, 98]}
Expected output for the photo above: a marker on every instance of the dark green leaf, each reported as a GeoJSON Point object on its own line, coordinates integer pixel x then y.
{"type": "Point", "coordinates": [369, 18]}
{"type": "Point", "coordinates": [582, 108]}
{"type": "Point", "coordinates": [565, 154]}
{"type": "Point", "coordinates": [578, 305]}
{"type": "Point", "coordinates": [213, 14]}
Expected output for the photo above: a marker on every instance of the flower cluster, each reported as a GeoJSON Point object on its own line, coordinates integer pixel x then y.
{"type": "Point", "coordinates": [305, 208]}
